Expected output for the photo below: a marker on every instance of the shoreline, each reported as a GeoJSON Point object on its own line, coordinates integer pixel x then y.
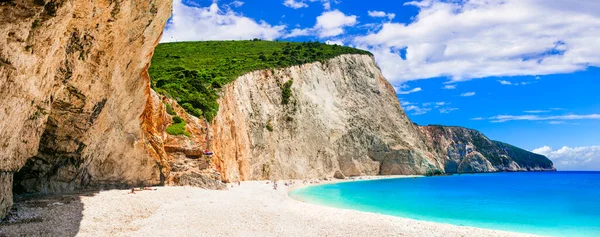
{"type": "Point", "coordinates": [251, 209]}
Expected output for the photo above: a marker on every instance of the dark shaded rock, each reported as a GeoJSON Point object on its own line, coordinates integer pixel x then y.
{"type": "Point", "coordinates": [339, 175]}
{"type": "Point", "coordinates": [6, 195]}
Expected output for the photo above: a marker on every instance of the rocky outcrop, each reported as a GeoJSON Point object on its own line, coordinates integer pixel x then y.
{"type": "Point", "coordinates": [466, 150]}
{"type": "Point", "coordinates": [187, 164]}
{"type": "Point", "coordinates": [342, 115]}
{"type": "Point", "coordinates": [73, 92]}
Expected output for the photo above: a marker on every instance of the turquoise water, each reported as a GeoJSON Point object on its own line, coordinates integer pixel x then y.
{"type": "Point", "coordinates": [547, 203]}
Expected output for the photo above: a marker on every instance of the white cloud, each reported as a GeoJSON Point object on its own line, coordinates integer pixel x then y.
{"type": "Point", "coordinates": [476, 38]}
{"type": "Point", "coordinates": [576, 158]}
{"type": "Point", "coordinates": [447, 110]}
{"type": "Point", "coordinates": [536, 111]}
{"type": "Point", "coordinates": [390, 16]}
{"type": "Point", "coordinates": [450, 87]}
{"type": "Point", "coordinates": [298, 32]}
{"type": "Point", "coordinates": [326, 3]}
{"type": "Point", "coordinates": [332, 23]}
{"type": "Point", "coordinates": [295, 4]}
{"type": "Point", "coordinates": [329, 24]}
{"type": "Point", "coordinates": [424, 108]}
{"type": "Point", "coordinates": [467, 94]}
{"type": "Point", "coordinates": [505, 82]}
{"type": "Point", "coordinates": [505, 118]}
{"type": "Point", "coordinates": [416, 110]}
{"type": "Point", "coordinates": [237, 3]}
{"type": "Point", "coordinates": [401, 92]}
{"type": "Point", "coordinates": [478, 118]}
{"type": "Point", "coordinates": [192, 23]}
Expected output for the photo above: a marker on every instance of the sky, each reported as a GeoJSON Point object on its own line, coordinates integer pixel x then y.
{"type": "Point", "coordinates": [525, 72]}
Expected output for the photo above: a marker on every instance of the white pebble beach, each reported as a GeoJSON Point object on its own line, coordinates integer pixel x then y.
{"type": "Point", "coordinates": [251, 209]}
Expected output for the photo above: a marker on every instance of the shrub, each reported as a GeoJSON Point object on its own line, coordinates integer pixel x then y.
{"type": "Point", "coordinates": [169, 109]}
{"type": "Point", "coordinates": [191, 110]}
{"type": "Point", "coordinates": [269, 127]}
{"type": "Point", "coordinates": [286, 92]}
{"type": "Point", "coordinates": [178, 129]}
{"type": "Point", "coordinates": [177, 119]}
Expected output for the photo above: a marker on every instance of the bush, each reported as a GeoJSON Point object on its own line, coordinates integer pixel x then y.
{"type": "Point", "coordinates": [269, 127]}
{"type": "Point", "coordinates": [169, 109]}
{"type": "Point", "coordinates": [191, 110]}
{"type": "Point", "coordinates": [177, 119]}
{"type": "Point", "coordinates": [286, 92]}
{"type": "Point", "coordinates": [178, 129]}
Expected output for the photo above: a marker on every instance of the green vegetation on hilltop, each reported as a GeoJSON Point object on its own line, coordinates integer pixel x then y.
{"type": "Point", "coordinates": [192, 72]}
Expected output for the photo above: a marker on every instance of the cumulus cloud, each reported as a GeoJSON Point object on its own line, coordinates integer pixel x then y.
{"type": "Point", "coordinates": [467, 94]}
{"type": "Point", "coordinates": [572, 158]}
{"type": "Point", "coordinates": [329, 24]}
{"type": "Point", "coordinates": [298, 32]}
{"type": "Point", "coordinates": [294, 4]}
{"type": "Point", "coordinates": [470, 39]}
{"type": "Point", "coordinates": [505, 118]}
{"type": "Point", "coordinates": [503, 82]}
{"type": "Point", "coordinates": [192, 23]}
{"type": "Point", "coordinates": [332, 23]}
{"type": "Point", "coordinates": [378, 14]}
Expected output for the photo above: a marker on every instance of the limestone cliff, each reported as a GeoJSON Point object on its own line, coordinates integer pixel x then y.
{"type": "Point", "coordinates": [342, 115]}
{"type": "Point", "coordinates": [74, 90]}
{"type": "Point", "coordinates": [466, 150]}
{"type": "Point", "coordinates": [341, 118]}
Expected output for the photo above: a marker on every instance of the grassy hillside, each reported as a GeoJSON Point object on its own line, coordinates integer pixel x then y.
{"type": "Point", "coordinates": [192, 72]}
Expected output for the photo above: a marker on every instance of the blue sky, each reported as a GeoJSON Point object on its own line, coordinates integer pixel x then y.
{"type": "Point", "coordinates": [521, 71]}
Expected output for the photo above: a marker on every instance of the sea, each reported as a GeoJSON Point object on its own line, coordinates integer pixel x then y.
{"type": "Point", "coordinates": [544, 203]}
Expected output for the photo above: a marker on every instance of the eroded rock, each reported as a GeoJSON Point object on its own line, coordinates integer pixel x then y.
{"type": "Point", "coordinates": [73, 89]}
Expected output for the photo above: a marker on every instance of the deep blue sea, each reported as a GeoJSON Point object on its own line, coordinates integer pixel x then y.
{"type": "Point", "coordinates": [547, 203]}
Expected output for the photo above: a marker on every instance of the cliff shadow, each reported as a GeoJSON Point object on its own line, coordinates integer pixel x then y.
{"type": "Point", "coordinates": [45, 215]}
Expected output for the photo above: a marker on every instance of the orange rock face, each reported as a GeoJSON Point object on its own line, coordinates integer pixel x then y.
{"type": "Point", "coordinates": [73, 91]}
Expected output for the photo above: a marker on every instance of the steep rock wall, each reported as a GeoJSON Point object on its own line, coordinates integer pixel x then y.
{"type": "Point", "coordinates": [73, 89]}
{"type": "Point", "coordinates": [469, 151]}
{"type": "Point", "coordinates": [342, 115]}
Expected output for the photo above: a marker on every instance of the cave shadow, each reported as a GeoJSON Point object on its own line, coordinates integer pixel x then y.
{"type": "Point", "coordinates": [45, 214]}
